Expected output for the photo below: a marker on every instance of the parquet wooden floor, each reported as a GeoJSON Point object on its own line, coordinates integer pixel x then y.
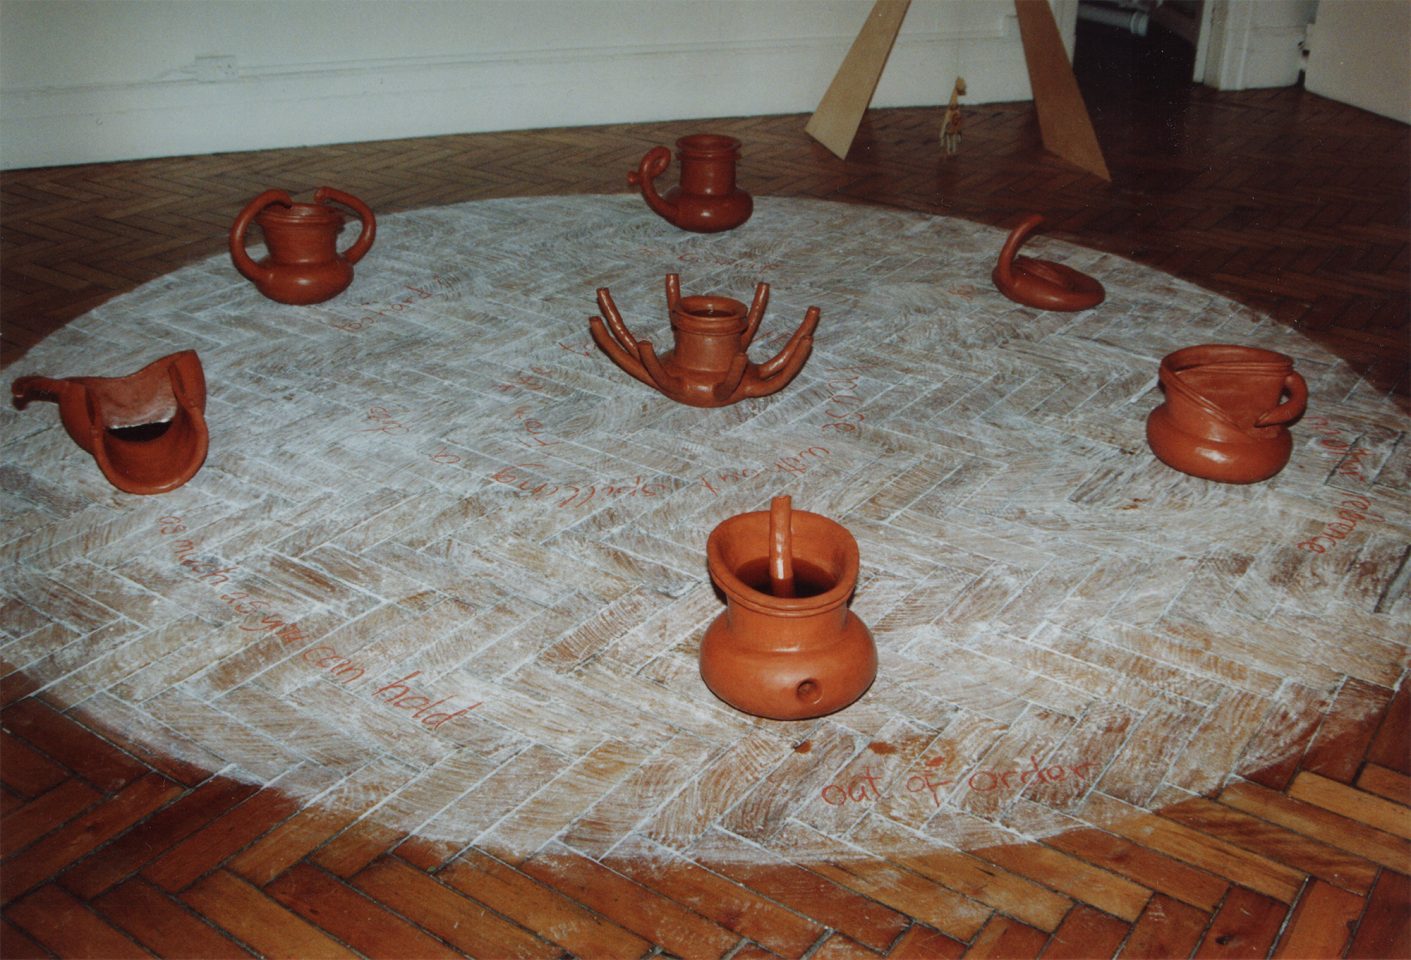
{"type": "Point", "coordinates": [1289, 203]}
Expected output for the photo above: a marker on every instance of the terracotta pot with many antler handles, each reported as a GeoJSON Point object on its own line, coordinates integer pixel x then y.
{"type": "Point", "coordinates": [304, 265]}
{"type": "Point", "coordinates": [708, 364]}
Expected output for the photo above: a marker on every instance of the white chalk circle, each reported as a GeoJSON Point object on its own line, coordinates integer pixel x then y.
{"type": "Point", "coordinates": [444, 567]}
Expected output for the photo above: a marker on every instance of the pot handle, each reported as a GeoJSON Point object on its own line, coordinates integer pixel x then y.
{"type": "Point", "coordinates": [27, 389]}
{"type": "Point", "coordinates": [1292, 408]}
{"type": "Point", "coordinates": [653, 165]}
{"type": "Point", "coordinates": [243, 263]}
{"type": "Point", "coordinates": [369, 232]}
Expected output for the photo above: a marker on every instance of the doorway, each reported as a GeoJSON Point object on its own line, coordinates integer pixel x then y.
{"type": "Point", "coordinates": [1130, 52]}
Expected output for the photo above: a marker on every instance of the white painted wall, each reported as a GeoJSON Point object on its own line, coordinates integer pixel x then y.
{"type": "Point", "coordinates": [1249, 44]}
{"type": "Point", "coordinates": [82, 80]}
{"type": "Point", "coordinates": [1360, 53]}
{"type": "Point", "coordinates": [94, 80]}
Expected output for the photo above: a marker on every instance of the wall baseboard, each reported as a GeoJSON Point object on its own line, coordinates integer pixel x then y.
{"type": "Point", "coordinates": [1274, 57]}
{"type": "Point", "coordinates": [306, 104]}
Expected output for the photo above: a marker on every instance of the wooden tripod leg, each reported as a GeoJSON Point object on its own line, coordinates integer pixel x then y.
{"type": "Point", "coordinates": [1064, 123]}
{"type": "Point", "coordinates": [839, 113]}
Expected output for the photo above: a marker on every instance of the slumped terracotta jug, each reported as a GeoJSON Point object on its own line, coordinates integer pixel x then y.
{"type": "Point", "coordinates": [304, 265]}
{"type": "Point", "coordinates": [147, 431]}
{"type": "Point", "coordinates": [1225, 416]}
{"type": "Point", "coordinates": [787, 647]}
{"type": "Point", "coordinates": [709, 365]}
{"type": "Point", "coordinates": [707, 201]}
{"type": "Point", "coordinates": [1042, 283]}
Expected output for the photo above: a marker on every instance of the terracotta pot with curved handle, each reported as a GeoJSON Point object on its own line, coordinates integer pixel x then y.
{"type": "Point", "coordinates": [304, 265]}
{"type": "Point", "coordinates": [1226, 412]}
{"type": "Point", "coordinates": [787, 647]}
{"type": "Point", "coordinates": [1042, 283]}
{"type": "Point", "coordinates": [707, 201]}
{"type": "Point", "coordinates": [147, 431]}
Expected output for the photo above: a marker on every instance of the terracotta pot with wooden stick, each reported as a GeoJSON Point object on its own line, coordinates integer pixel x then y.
{"type": "Point", "coordinates": [787, 647]}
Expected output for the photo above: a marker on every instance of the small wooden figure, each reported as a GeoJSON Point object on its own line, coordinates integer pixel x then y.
{"type": "Point", "coordinates": [952, 122]}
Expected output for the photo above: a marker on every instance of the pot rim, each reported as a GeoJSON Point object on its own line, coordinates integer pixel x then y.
{"type": "Point", "coordinates": [707, 143]}
{"type": "Point", "coordinates": [314, 214]}
{"type": "Point", "coordinates": [1227, 355]}
{"type": "Point", "coordinates": [737, 591]}
{"type": "Point", "coordinates": [707, 313]}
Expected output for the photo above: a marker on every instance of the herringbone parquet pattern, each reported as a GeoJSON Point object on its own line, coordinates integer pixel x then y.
{"type": "Point", "coordinates": [1294, 205]}
{"type": "Point", "coordinates": [112, 851]}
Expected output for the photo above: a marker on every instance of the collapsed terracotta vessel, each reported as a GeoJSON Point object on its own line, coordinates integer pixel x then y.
{"type": "Point", "coordinates": [1223, 418]}
{"type": "Point", "coordinates": [304, 265]}
{"type": "Point", "coordinates": [707, 201]}
{"type": "Point", "coordinates": [708, 366]}
{"type": "Point", "coordinates": [147, 431]}
{"type": "Point", "coordinates": [1042, 283]}
{"type": "Point", "coordinates": [787, 647]}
